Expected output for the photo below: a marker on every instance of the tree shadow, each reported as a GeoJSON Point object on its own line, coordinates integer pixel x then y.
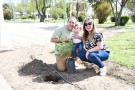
{"type": "Point", "coordinates": [48, 72]}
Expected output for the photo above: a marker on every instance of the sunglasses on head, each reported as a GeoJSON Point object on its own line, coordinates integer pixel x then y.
{"type": "Point", "coordinates": [89, 23]}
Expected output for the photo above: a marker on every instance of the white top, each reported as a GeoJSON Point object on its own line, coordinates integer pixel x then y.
{"type": "Point", "coordinates": [75, 40]}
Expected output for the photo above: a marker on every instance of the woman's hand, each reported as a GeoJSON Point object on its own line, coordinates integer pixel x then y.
{"type": "Point", "coordinates": [87, 53]}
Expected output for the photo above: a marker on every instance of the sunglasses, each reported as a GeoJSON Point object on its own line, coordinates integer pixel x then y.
{"type": "Point", "coordinates": [89, 23]}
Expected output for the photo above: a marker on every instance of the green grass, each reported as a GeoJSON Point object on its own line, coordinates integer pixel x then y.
{"type": "Point", "coordinates": [122, 48]}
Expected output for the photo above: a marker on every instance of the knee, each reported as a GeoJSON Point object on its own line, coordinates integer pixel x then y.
{"type": "Point", "coordinates": [81, 56]}
{"type": "Point", "coordinates": [91, 56]}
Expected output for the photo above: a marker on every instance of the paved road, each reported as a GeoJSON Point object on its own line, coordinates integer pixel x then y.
{"type": "Point", "coordinates": [25, 34]}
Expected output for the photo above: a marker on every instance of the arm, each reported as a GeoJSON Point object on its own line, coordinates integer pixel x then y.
{"type": "Point", "coordinates": [56, 40]}
{"type": "Point", "coordinates": [78, 36]}
{"type": "Point", "coordinates": [97, 48]}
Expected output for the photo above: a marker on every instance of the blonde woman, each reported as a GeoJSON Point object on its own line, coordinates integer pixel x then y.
{"type": "Point", "coordinates": [96, 50]}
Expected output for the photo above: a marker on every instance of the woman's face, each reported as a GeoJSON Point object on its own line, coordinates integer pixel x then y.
{"type": "Point", "coordinates": [88, 25]}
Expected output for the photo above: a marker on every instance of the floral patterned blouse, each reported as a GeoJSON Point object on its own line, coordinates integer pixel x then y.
{"type": "Point", "coordinates": [97, 37]}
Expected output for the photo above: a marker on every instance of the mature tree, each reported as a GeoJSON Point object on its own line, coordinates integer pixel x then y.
{"type": "Point", "coordinates": [81, 6]}
{"type": "Point", "coordinates": [114, 4]}
{"type": "Point", "coordinates": [117, 13]}
{"type": "Point", "coordinates": [41, 6]}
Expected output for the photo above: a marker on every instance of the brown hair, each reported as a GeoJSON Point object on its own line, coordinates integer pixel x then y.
{"type": "Point", "coordinates": [85, 32]}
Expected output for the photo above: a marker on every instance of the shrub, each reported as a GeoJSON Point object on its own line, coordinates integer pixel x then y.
{"type": "Point", "coordinates": [102, 12]}
{"type": "Point", "coordinates": [8, 15]}
{"type": "Point", "coordinates": [112, 19]}
{"type": "Point", "coordinates": [124, 20]}
{"type": "Point", "coordinates": [133, 18]}
{"type": "Point", "coordinates": [32, 17]}
{"type": "Point", "coordinates": [24, 17]}
{"type": "Point", "coordinates": [55, 16]}
{"type": "Point", "coordinates": [81, 17]}
{"type": "Point", "coordinates": [65, 48]}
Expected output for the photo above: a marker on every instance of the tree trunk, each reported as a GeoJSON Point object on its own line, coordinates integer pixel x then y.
{"type": "Point", "coordinates": [117, 14]}
{"type": "Point", "coordinates": [42, 18]}
{"type": "Point", "coordinates": [77, 8]}
{"type": "Point", "coordinates": [123, 2]}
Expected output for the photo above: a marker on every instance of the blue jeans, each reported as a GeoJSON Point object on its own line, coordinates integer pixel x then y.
{"type": "Point", "coordinates": [95, 57]}
{"type": "Point", "coordinates": [76, 46]}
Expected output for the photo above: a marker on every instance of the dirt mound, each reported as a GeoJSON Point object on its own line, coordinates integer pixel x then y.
{"type": "Point", "coordinates": [42, 70]}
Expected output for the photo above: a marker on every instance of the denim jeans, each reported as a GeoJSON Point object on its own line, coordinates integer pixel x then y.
{"type": "Point", "coordinates": [95, 57]}
{"type": "Point", "coordinates": [76, 46]}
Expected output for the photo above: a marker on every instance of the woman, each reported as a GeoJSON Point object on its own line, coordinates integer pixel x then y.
{"type": "Point", "coordinates": [95, 47]}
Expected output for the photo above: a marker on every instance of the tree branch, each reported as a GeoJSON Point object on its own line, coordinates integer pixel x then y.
{"type": "Point", "coordinates": [37, 8]}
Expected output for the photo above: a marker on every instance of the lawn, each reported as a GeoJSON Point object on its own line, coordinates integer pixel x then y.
{"type": "Point", "coordinates": [122, 47]}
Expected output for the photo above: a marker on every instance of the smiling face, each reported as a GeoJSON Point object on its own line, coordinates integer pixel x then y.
{"type": "Point", "coordinates": [88, 25]}
{"type": "Point", "coordinates": [88, 28]}
{"type": "Point", "coordinates": [71, 23]}
{"type": "Point", "coordinates": [77, 28]}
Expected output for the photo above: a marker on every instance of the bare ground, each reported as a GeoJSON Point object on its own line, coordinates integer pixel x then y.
{"type": "Point", "coordinates": [30, 78]}
{"type": "Point", "coordinates": [118, 78]}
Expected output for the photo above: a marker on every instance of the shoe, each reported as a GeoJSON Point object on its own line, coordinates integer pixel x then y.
{"type": "Point", "coordinates": [103, 71]}
{"type": "Point", "coordinates": [90, 65]}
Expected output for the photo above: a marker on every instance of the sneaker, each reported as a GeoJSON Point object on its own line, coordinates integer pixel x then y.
{"type": "Point", "coordinates": [90, 65]}
{"type": "Point", "coordinates": [103, 71]}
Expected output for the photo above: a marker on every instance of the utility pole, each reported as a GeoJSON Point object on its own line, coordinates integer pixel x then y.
{"type": "Point", "coordinates": [65, 15]}
{"type": "Point", "coordinates": [70, 8]}
{"type": "Point", "coordinates": [1, 24]}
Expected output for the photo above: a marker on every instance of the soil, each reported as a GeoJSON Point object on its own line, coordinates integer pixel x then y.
{"type": "Point", "coordinates": [25, 69]}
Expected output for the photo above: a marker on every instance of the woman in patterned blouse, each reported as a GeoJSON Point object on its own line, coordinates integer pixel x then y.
{"type": "Point", "coordinates": [95, 48]}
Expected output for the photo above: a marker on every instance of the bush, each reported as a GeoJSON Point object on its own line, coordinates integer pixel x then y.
{"type": "Point", "coordinates": [65, 48]}
{"type": "Point", "coordinates": [102, 12]}
{"type": "Point", "coordinates": [124, 20]}
{"type": "Point", "coordinates": [55, 16]}
{"type": "Point", "coordinates": [32, 17]}
{"type": "Point", "coordinates": [112, 19]}
{"type": "Point", "coordinates": [133, 18]}
{"type": "Point", "coordinates": [24, 17]}
{"type": "Point", "coordinates": [81, 17]}
{"type": "Point", "coordinates": [8, 15]}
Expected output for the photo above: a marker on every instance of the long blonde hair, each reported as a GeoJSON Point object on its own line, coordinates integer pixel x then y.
{"type": "Point", "coordinates": [85, 32]}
